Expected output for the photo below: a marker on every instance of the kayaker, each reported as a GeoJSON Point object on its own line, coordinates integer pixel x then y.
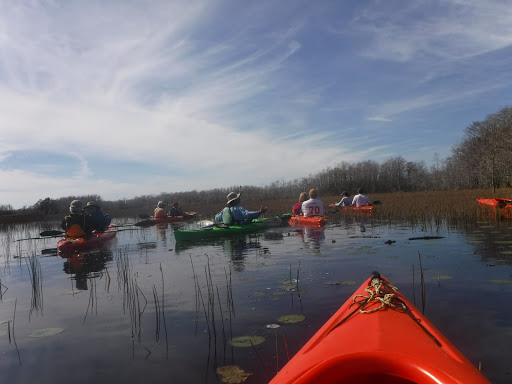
{"type": "Point", "coordinates": [235, 214]}
{"type": "Point", "coordinates": [345, 201]}
{"type": "Point", "coordinates": [176, 209]}
{"type": "Point", "coordinates": [76, 224]}
{"type": "Point", "coordinates": [99, 221]}
{"type": "Point", "coordinates": [313, 206]}
{"type": "Point", "coordinates": [297, 208]}
{"type": "Point", "coordinates": [360, 200]}
{"type": "Point", "coordinates": [160, 210]}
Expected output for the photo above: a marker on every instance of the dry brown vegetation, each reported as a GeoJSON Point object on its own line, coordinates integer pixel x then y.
{"type": "Point", "coordinates": [454, 207]}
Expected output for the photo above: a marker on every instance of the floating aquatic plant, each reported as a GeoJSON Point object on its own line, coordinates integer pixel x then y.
{"type": "Point", "coordinates": [291, 319]}
{"type": "Point", "coordinates": [501, 281]}
{"type": "Point", "coordinates": [231, 374]}
{"type": "Point", "coordinates": [273, 326]}
{"type": "Point", "coordinates": [246, 341]}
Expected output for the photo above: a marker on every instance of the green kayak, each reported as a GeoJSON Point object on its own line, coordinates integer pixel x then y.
{"type": "Point", "coordinates": [215, 231]}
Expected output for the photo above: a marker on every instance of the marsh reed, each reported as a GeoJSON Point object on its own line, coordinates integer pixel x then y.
{"type": "Point", "coordinates": [36, 282]}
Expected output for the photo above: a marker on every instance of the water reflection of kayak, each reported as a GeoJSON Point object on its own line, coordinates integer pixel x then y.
{"type": "Point", "coordinates": [72, 244]}
{"type": "Point", "coordinates": [504, 206]}
{"type": "Point", "coordinates": [298, 220]}
{"type": "Point", "coordinates": [378, 336]}
{"type": "Point", "coordinates": [220, 230]}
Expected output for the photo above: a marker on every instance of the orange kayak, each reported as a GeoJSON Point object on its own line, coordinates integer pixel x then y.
{"type": "Point", "coordinates": [74, 244]}
{"type": "Point", "coordinates": [307, 221]}
{"type": "Point", "coordinates": [364, 208]}
{"type": "Point", "coordinates": [378, 336]}
{"type": "Point", "coordinates": [503, 206]}
{"type": "Point", "coordinates": [174, 219]}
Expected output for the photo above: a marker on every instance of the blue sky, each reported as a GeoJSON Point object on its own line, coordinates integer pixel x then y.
{"type": "Point", "coordinates": [125, 98]}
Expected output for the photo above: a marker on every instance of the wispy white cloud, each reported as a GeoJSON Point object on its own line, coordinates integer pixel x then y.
{"type": "Point", "coordinates": [212, 95]}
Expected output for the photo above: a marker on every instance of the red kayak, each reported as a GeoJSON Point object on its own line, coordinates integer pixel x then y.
{"type": "Point", "coordinates": [73, 244]}
{"type": "Point", "coordinates": [174, 219]}
{"type": "Point", "coordinates": [364, 208]}
{"type": "Point", "coordinates": [299, 220]}
{"type": "Point", "coordinates": [504, 206]}
{"type": "Point", "coordinates": [378, 336]}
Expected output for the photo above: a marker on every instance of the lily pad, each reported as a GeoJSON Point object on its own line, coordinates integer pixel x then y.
{"type": "Point", "coordinates": [231, 374]}
{"type": "Point", "coordinates": [291, 319]}
{"type": "Point", "coordinates": [506, 252]}
{"type": "Point", "coordinates": [501, 281]}
{"type": "Point", "coordinates": [442, 277]}
{"type": "Point", "coordinates": [246, 341]}
{"type": "Point", "coordinates": [45, 332]}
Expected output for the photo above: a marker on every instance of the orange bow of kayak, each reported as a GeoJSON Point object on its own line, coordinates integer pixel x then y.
{"type": "Point", "coordinates": [378, 336]}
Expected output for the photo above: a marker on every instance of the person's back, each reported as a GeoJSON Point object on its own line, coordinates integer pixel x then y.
{"type": "Point", "coordinates": [176, 210]}
{"type": "Point", "coordinates": [160, 211]}
{"type": "Point", "coordinates": [98, 220]}
{"type": "Point", "coordinates": [297, 208]}
{"type": "Point", "coordinates": [313, 206]}
{"type": "Point", "coordinates": [360, 200]}
{"type": "Point", "coordinates": [76, 224]}
{"type": "Point", "coordinates": [234, 214]}
{"type": "Point", "coordinates": [346, 201]}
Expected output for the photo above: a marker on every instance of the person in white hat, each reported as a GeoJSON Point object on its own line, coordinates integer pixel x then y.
{"type": "Point", "coordinates": [160, 210]}
{"type": "Point", "coordinates": [235, 214]}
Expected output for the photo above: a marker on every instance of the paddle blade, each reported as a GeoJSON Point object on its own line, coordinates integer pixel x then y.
{"type": "Point", "coordinates": [51, 233]}
{"type": "Point", "coordinates": [145, 223]}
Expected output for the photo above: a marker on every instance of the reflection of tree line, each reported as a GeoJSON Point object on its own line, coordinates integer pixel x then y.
{"type": "Point", "coordinates": [490, 241]}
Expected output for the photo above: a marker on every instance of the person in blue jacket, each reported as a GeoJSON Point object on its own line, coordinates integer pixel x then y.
{"type": "Point", "coordinates": [100, 222]}
{"type": "Point", "coordinates": [235, 214]}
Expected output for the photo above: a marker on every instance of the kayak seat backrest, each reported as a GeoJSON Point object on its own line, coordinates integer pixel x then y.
{"type": "Point", "coordinates": [377, 367]}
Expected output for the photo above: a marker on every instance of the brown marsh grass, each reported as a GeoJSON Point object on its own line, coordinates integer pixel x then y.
{"type": "Point", "coordinates": [451, 207]}
{"type": "Point", "coordinates": [454, 207]}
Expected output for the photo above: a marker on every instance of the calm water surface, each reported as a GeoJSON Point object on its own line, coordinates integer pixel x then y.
{"type": "Point", "coordinates": [146, 308]}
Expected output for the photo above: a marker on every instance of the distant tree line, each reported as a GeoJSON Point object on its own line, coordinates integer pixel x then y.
{"type": "Point", "coordinates": [482, 159]}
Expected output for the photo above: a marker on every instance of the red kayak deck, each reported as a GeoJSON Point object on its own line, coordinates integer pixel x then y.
{"type": "Point", "coordinates": [315, 221]}
{"type": "Point", "coordinates": [378, 336]}
{"type": "Point", "coordinates": [365, 208]}
{"type": "Point", "coordinates": [73, 244]}
{"type": "Point", "coordinates": [174, 219]}
{"type": "Point", "coordinates": [503, 206]}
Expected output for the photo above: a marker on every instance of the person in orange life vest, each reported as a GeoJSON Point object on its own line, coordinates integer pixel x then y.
{"type": "Point", "coordinates": [313, 206]}
{"type": "Point", "coordinates": [76, 224]}
{"type": "Point", "coordinates": [176, 209]}
{"type": "Point", "coordinates": [160, 210]}
{"type": "Point", "coordinates": [297, 208]}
